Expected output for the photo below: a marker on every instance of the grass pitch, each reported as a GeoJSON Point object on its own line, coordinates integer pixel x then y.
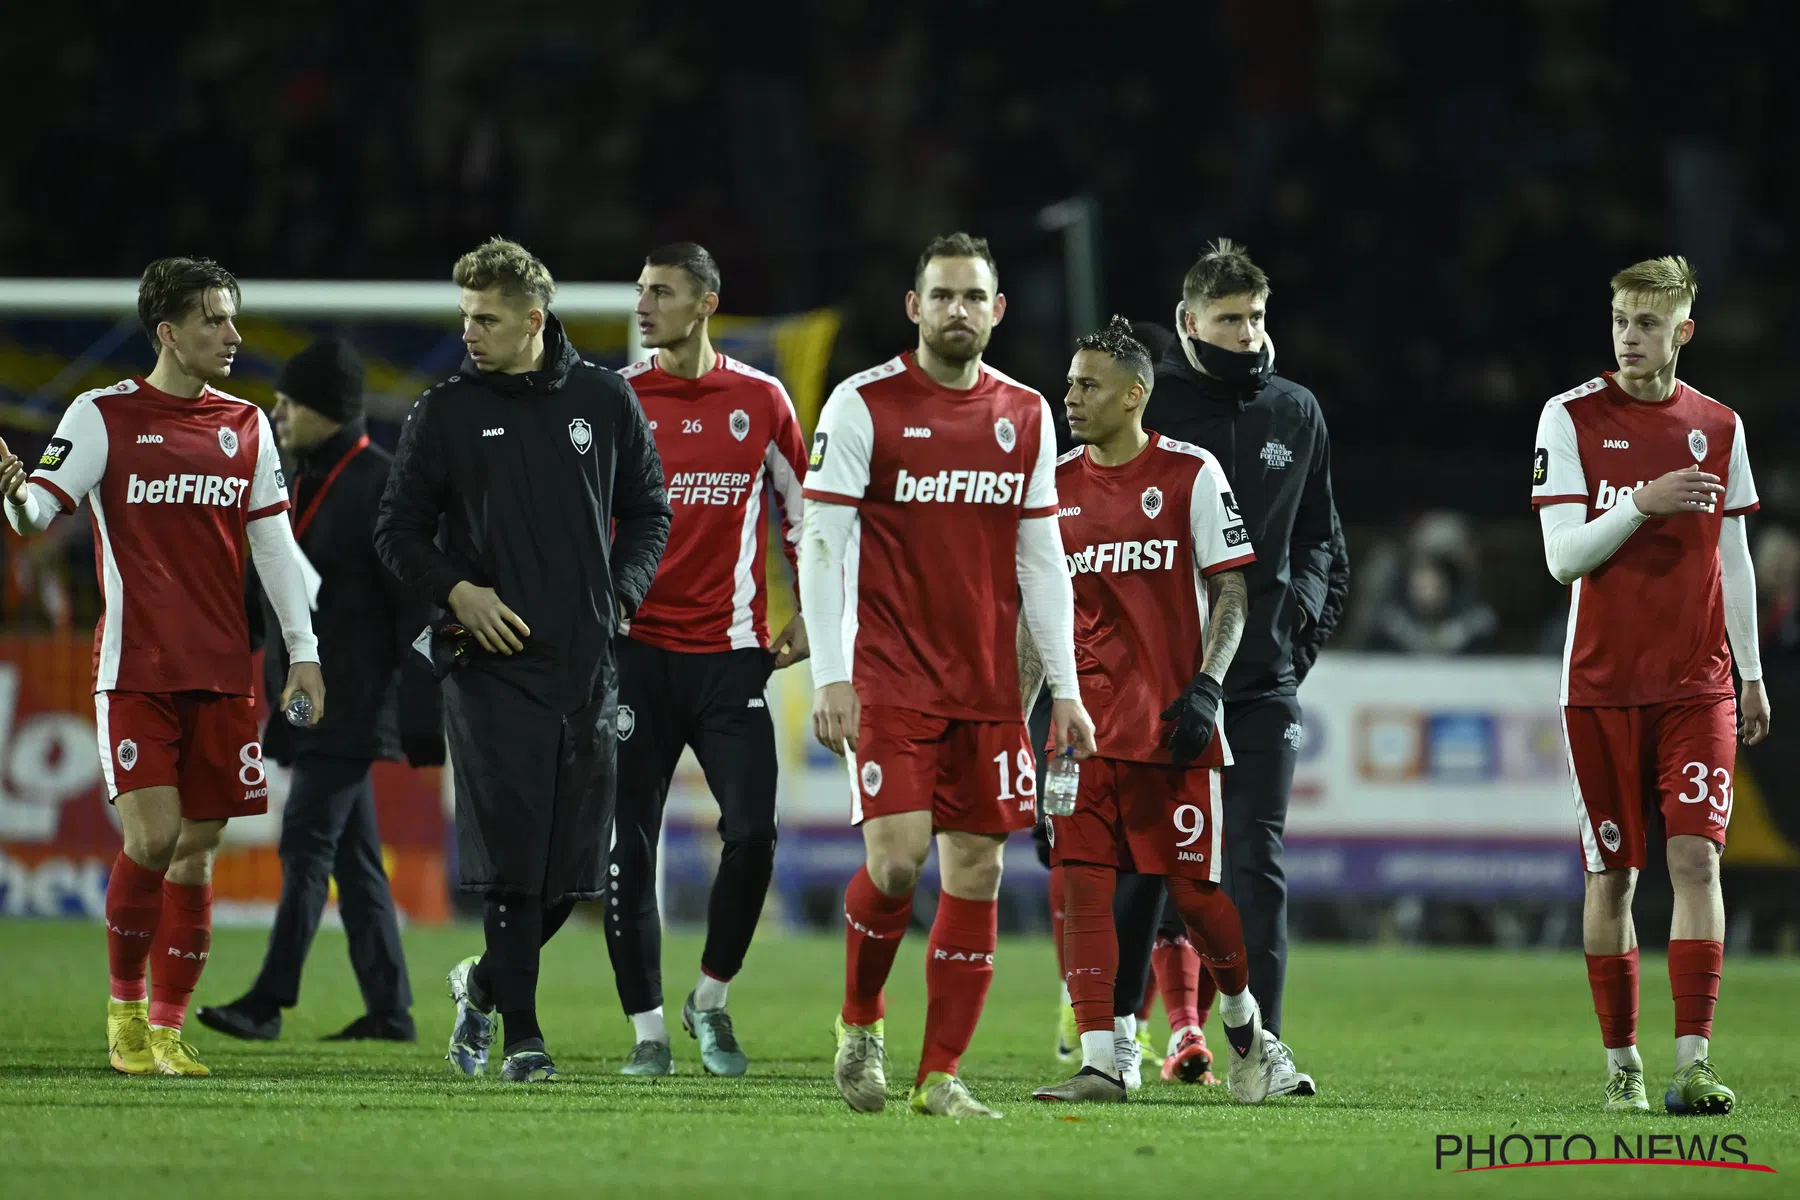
{"type": "Point", "coordinates": [1407, 1045]}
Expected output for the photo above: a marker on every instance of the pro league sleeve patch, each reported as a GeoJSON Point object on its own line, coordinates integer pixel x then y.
{"type": "Point", "coordinates": [1540, 467]}
{"type": "Point", "coordinates": [820, 441]}
{"type": "Point", "coordinates": [55, 454]}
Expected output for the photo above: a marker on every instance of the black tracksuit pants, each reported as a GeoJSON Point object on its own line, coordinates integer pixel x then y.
{"type": "Point", "coordinates": [1265, 749]}
{"type": "Point", "coordinates": [328, 830]}
{"type": "Point", "coordinates": [716, 703]}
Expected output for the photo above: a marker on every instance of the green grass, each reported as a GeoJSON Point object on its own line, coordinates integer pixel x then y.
{"type": "Point", "coordinates": [1406, 1045]}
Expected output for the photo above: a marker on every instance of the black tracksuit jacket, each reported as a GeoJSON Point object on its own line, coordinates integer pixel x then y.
{"type": "Point", "coordinates": [379, 701]}
{"type": "Point", "coordinates": [1270, 437]}
{"type": "Point", "coordinates": [552, 494]}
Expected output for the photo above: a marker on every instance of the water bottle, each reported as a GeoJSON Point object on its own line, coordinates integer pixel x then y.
{"type": "Point", "coordinates": [1061, 781]}
{"type": "Point", "coordinates": [300, 709]}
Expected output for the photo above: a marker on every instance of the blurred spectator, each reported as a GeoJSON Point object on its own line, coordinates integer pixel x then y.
{"type": "Point", "coordinates": [1437, 612]}
{"type": "Point", "coordinates": [1778, 590]}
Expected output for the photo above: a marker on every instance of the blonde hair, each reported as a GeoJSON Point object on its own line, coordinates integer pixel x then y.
{"type": "Point", "coordinates": [1667, 282]}
{"type": "Point", "coordinates": [506, 265]}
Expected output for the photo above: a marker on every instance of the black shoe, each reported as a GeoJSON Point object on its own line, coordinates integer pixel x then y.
{"type": "Point", "coordinates": [245, 1018]}
{"type": "Point", "coordinates": [377, 1027]}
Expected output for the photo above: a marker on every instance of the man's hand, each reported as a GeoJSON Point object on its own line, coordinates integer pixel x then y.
{"type": "Point", "coordinates": [1753, 712]}
{"type": "Point", "coordinates": [837, 714]}
{"type": "Point", "coordinates": [792, 645]}
{"type": "Point", "coordinates": [1195, 713]}
{"type": "Point", "coordinates": [12, 474]}
{"type": "Point", "coordinates": [305, 677]}
{"type": "Point", "coordinates": [479, 611]}
{"type": "Point", "coordinates": [1688, 490]}
{"type": "Point", "coordinates": [1070, 725]}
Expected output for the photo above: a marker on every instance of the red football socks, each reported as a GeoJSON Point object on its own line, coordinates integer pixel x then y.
{"type": "Point", "coordinates": [1694, 968]}
{"type": "Point", "coordinates": [874, 923]}
{"type": "Point", "coordinates": [183, 940]}
{"type": "Point", "coordinates": [1613, 978]}
{"type": "Point", "coordinates": [134, 900]}
{"type": "Point", "coordinates": [1056, 916]}
{"type": "Point", "coordinates": [959, 965]}
{"type": "Point", "coordinates": [1090, 943]}
{"type": "Point", "coordinates": [1176, 966]}
{"type": "Point", "coordinates": [1216, 931]}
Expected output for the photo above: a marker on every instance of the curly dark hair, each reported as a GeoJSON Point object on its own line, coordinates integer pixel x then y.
{"type": "Point", "coordinates": [1117, 340]}
{"type": "Point", "coordinates": [171, 288]}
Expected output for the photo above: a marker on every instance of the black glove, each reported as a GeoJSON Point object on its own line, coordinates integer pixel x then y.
{"type": "Point", "coordinates": [1194, 712]}
{"type": "Point", "coordinates": [423, 748]}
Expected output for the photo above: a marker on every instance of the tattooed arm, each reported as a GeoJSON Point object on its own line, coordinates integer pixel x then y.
{"type": "Point", "coordinates": [1230, 606]}
{"type": "Point", "coordinates": [1031, 666]}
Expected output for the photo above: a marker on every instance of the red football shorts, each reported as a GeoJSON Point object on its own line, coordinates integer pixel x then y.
{"type": "Point", "coordinates": [1679, 756]}
{"type": "Point", "coordinates": [972, 776]}
{"type": "Point", "coordinates": [201, 743]}
{"type": "Point", "coordinates": [1143, 818]}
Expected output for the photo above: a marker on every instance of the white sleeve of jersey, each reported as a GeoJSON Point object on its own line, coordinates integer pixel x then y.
{"type": "Point", "coordinates": [279, 565]}
{"type": "Point", "coordinates": [1740, 486]}
{"type": "Point", "coordinates": [1737, 584]}
{"type": "Point", "coordinates": [1040, 492]}
{"type": "Point", "coordinates": [1574, 545]}
{"type": "Point", "coordinates": [785, 460]}
{"type": "Point", "coordinates": [35, 514]}
{"type": "Point", "coordinates": [1556, 474]}
{"type": "Point", "coordinates": [843, 444]}
{"type": "Point", "coordinates": [75, 459]}
{"type": "Point", "coordinates": [268, 489]}
{"type": "Point", "coordinates": [1220, 540]}
{"type": "Point", "coordinates": [825, 546]}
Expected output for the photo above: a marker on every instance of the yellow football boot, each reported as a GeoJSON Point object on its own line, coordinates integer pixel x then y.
{"type": "Point", "coordinates": [174, 1056]}
{"type": "Point", "coordinates": [128, 1036]}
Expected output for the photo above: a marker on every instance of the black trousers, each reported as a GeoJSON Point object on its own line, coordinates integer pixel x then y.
{"type": "Point", "coordinates": [1265, 746]}
{"type": "Point", "coordinates": [717, 704]}
{"type": "Point", "coordinates": [328, 829]}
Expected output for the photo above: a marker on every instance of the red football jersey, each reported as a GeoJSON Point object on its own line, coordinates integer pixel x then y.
{"type": "Point", "coordinates": [722, 437]}
{"type": "Point", "coordinates": [1648, 625]}
{"type": "Point", "coordinates": [940, 480]}
{"type": "Point", "coordinates": [172, 482]}
{"type": "Point", "coordinates": [1140, 541]}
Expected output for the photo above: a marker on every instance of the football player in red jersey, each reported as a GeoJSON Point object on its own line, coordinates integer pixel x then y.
{"type": "Point", "coordinates": [1641, 484]}
{"type": "Point", "coordinates": [1156, 546]}
{"type": "Point", "coordinates": [930, 525]}
{"type": "Point", "coordinates": [695, 661]}
{"type": "Point", "coordinates": [175, 471]}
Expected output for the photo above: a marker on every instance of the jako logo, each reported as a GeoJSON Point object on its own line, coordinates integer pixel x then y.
{"type": "Point", "coordinates": [149, 439]}
{"type": "Point", "coordinates": [916, 431]}
{"type": "Point", "coordinates": [1190, 856]}
{"type": "Point", "coordinates": [970, 487]}
{"type": "Point", "coordinates": [1615, 444]}
{"type": "Point", "coordinates": [496, 431]}
{"type": "Point", "coordinates": [1074, 511]}
{"type": "Point", "coordinates": [223, 490]}
{"type": "Point", "coordinates": [1123, 556]}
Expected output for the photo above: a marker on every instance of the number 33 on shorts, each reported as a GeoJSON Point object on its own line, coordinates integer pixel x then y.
{"type": "Point", "coordinates": [1717, 795]}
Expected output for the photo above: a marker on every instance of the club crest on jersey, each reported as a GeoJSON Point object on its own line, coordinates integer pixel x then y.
{"type": "Point", "coordinates": [228, 442]}
{"type": "Point", "coordinates": [1152, 501]}
{"type": "Point", "coordinates": [740, 424]}
{"type": "Point", "coordinates": [1696, 444]}
{"type": "Point", "coordinates": [625, 722]}
{"type": "Point", "coordinates": [871, 777]}
{"type": "Point", "coordinates": [1609, 836]}
{"type": "Point", "coordinates": [581, 436]}
{"type": "Point", "coordinates": [128, 754]}
{"type": "Point", "coordinates": [1005, 434]}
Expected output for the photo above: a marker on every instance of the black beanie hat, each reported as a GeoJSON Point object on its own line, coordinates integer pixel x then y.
{"type": "Point", "coordinates": [326, 377]}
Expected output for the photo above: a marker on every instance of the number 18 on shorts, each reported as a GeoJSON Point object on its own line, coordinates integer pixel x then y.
{"type": "Point", "coordinates": [1678, 757]}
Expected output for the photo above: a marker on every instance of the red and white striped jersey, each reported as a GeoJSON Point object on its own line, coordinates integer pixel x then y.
{"type": "Point", "coordinates": [722, 438]}
{"type": "Point", "coordinates": [173, 484]}
{"type": "Point", "coordinates": [1139, 541]}
{"type": "Point", "coordinates": [940, 480]}
{"type": "Point", "coordinates": [1648, 625]}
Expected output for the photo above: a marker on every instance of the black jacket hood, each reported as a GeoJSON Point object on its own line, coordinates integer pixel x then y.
{"type": "Point", "coordinates": [560, 358]}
